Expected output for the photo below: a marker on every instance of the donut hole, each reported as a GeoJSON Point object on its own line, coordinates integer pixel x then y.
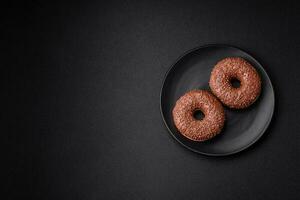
{"type": "Point", "coordinates": [198, 115]}
{"type": "Point", "coordinates": [235, 83]}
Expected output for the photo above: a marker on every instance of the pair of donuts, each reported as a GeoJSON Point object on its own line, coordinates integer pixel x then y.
{"type": "Point", "coordinates": [224, 90]}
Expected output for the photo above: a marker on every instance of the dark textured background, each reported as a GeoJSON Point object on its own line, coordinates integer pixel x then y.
{"type": "Point", "coordinates": [82, 119]}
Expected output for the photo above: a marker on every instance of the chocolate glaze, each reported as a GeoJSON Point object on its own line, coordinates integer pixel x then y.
{"type": "Point", "coordinates": [199, 130]}
{"type": "Point", "coordinates": [238, 68]}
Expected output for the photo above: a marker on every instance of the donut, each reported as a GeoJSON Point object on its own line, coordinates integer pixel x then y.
{"type": "Point", "coordinates": [192, 128]}
{"type": "Point", "coordinates": [235, 69]}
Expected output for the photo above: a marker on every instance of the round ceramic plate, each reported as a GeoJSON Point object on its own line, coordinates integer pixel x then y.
{"type": "Point", "coordinates": [242, 127]}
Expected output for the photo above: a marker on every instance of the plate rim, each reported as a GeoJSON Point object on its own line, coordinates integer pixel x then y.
{"type": "Point", "coordinates": [186, 53]}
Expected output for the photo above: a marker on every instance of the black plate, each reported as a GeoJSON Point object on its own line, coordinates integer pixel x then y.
{"type": "Point", "coordinates": [242, 127]}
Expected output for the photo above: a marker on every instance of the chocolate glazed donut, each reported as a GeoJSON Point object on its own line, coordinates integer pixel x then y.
{"type": "Point", "coordinates": [235, 68]}
{"type": "Point", "coordinates": [188, 125]}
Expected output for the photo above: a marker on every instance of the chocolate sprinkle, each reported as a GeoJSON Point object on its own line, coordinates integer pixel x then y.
{"type": "Point", "coordinates": [199, 130]}
{"type": "Point", "coordinates": [235, 68]}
